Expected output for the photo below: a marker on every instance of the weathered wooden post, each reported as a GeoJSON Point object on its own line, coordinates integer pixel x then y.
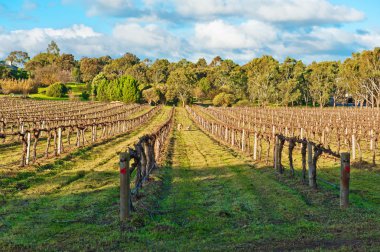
{"type": "Point", "coordinates": [125, 190]}
{"type": "Point", "coordinates": [277, 154]}
{"type": "Point", "coordinates": [27, 158]}
{"type": "Point", "coordinates": [344, 179]}
{"type": "Point", "coordinates": [303, 154]}
{"type": "Point", "coordinates": [255, 147]}
{"type": "Point", "coordinates": [311, 166]}
{"type": "Point", "coordinates": [243, 141]}
{"type": "Point", "coordinates": [233, 137]}
{"type": "Point", "coordinates": [59, 143]}
{"type": "Point", "coordinates": [353, 146]}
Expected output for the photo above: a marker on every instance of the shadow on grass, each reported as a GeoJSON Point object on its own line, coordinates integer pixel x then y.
{"type": "Point", "coordinates": [231, 207]}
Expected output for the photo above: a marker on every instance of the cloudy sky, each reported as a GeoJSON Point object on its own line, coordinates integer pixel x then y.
{"type": "Point", "coordinates": [174, 29]}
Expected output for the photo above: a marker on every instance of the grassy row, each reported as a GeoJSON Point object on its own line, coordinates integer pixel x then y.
{"type": "Point", "coordinates": [69, 204]}
{"type": "Point", "coordinates": [214, 199]}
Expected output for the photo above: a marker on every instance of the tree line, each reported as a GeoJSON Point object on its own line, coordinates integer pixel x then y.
{"type": "Point", "coordinates": [262, 81]}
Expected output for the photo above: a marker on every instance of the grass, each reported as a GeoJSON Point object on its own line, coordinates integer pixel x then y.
{"type": "Point", "coordinates": [10, 152]}
{"type": "Point", "coordinates": [214, 199]}
{"type": "Point", "coordinates": [76, 89]}
{"type": "Point", "coordinates": [67, 203]}
{"type": "Point", "coordinates": [364, 176]}
{"type": "Point", "coordinates": [206, 198]}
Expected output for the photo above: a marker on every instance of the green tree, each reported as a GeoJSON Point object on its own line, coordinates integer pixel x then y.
{"type": "Point", "coordinates": [223, 99]}
{"type": "Point", "coordinates": [75, 73]}
{"type": "Point", "coordinates": [159, 71]}
{"type": "Point", "coordinates": [119, 67]}
{"type": "Point", "coordinates": [180, 85]}
{"type": "Point", "coordinates": [18, 57]}
{"type": "Point", "coordinates": [124, 88]}
{"type": "Point", "coordinates": [290, 82]}
{"type": "Point", "coordinates": [322, 77]}
{"type": "Point", "coordinates": [5, 72]}
{"type": "Point", "coordinates": [151, 95]}
{"type": "Point", "coordinates": [263, 77]}
{"type": "Point", "coordinates": [203, 86]}
{"type": "Point", "coordinates": [40, 60]}
{"type": "Point", "coordinates": [96, 82]}
{"type": "Point", "coordinates": [65, 62]}
{"type": "Point", "coordinates": [53, 48]}
{"type": "Point", "coordinates": [57, 90]}
{"type": "Point", "coordinates": [351, 79]}
{"type": "Point", "coordinates": [100, 88]}
{"type": "Point", "coordinates": [140, 73]}
{"type": "Point", "coordinates": [369, 63]}
{"type": "Point", "coordinates": [131, 92]}
{"type": "Point", "coordinates": [89, 68]}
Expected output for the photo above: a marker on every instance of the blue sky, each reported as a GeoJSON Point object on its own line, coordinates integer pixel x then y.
{"type": "Point", "coordinates": [174, 29]}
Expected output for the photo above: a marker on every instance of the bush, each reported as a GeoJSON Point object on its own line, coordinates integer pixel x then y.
{"type": "Point", "coordinates": [123, 89]}
{"type": "Point", "coordinates": [151, 95]}
{"type": "Point", "coordinates": [85, 95]}
{"type": "Point", "coordinates": [57, 90]}
{"type": "Point", "coordinates": [243, 103]}
{"type": "Point", "coordinates": [18, 86]}
{"type": "Point", "coordinates": [131, 92]}
{"type": "Point", "coordinates": [223, 99]}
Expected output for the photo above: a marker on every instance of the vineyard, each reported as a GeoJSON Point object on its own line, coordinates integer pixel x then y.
{"type": "Point", "coordinates": [40, 129]}
{"type": "Point", "coordinates": [309, 135]}
{"type": "Point", "coordinates": [194, 178]}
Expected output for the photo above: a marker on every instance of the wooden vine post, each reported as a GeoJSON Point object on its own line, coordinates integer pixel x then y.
{"type": "Point", "coordinates": [59, 142]}
{"type": "Point", "coordinates": [277, 154]}
{"type": "Point", "coordinates": [28, 138]}
{"type": "Point", "coordinates": [303, 154]}
{"type": "Point", "coordinates": [255, 147]}
{"type": "Point", "coordinates": [125, 190]}
{"type": "Point", "coordinates": [344, 179]}
{"type": "Point", "coordinates": [311, 166]}
{"type": "Point", "coordinates": [353, 147]}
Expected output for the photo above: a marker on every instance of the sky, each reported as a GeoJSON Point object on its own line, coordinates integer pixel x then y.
{"type": "Point", "coordinates": [310, 30]}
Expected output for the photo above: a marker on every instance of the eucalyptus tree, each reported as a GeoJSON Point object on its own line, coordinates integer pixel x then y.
{"type": "Point", "coordinates": [263, 77]}
{"type": "Point", "coordinates": [322, 77]}
{"type": "Point", "coordinates": [18, 58]}
{"type": "Point", "coordinates": [291, 81]}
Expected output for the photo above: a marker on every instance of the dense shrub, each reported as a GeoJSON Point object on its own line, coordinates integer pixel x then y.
{"type": "Point", "coordinates": [151, 95]}
{"type": "Point", "coordinates": [124, 89]}
{"type": "Point", "coordinates": [223, 99]}
{"type": "Point", "coordinates": [85, 95]}
{"type": "Point", "coordinates": [18, 86]}
{"type": "Point", "coordinates": [243, 103]}
{"type": "Point", "coordinates": [57, 90]}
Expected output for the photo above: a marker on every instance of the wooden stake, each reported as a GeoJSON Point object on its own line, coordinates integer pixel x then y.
{"type": "Point", "coordinates": [344, 179]}
{"type": "Point", "coordinates": [312, 177]}
{"type": "Point", "coordinates": [125, 190]}
{"type": "Point", "coordinates": [59, 143]}
{"type": "Point", "coordinates": [255, 147]}
{"type": "Point", "coordinates": [243, 140]}
{"type": "Point", "coordinates": [353, 146]}
{"type": "Point", "coordinates": [27, 158]}
{"type": "Point", "coordinates": [276, 153]}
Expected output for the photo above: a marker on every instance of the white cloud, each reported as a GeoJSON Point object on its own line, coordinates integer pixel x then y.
{"type": "Point", "coordinates": [150, 39]}
{"type": "Point", "coordinates": [313, 11]}
{"type": "Point", "coordinates": [306, 11]}
{"type": "Point", "coordinates": [252, 38]}
{"type": "Point", "coordinates": [80, 40]}
{"type": "Point", "coordinates": [276, 11]}
{"type": "Point", "coordinates": [109, 7]}
{"type": "Point", "coordinates": [36, 40]}
{"type": "Point", "coordinates": [218, 35]}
